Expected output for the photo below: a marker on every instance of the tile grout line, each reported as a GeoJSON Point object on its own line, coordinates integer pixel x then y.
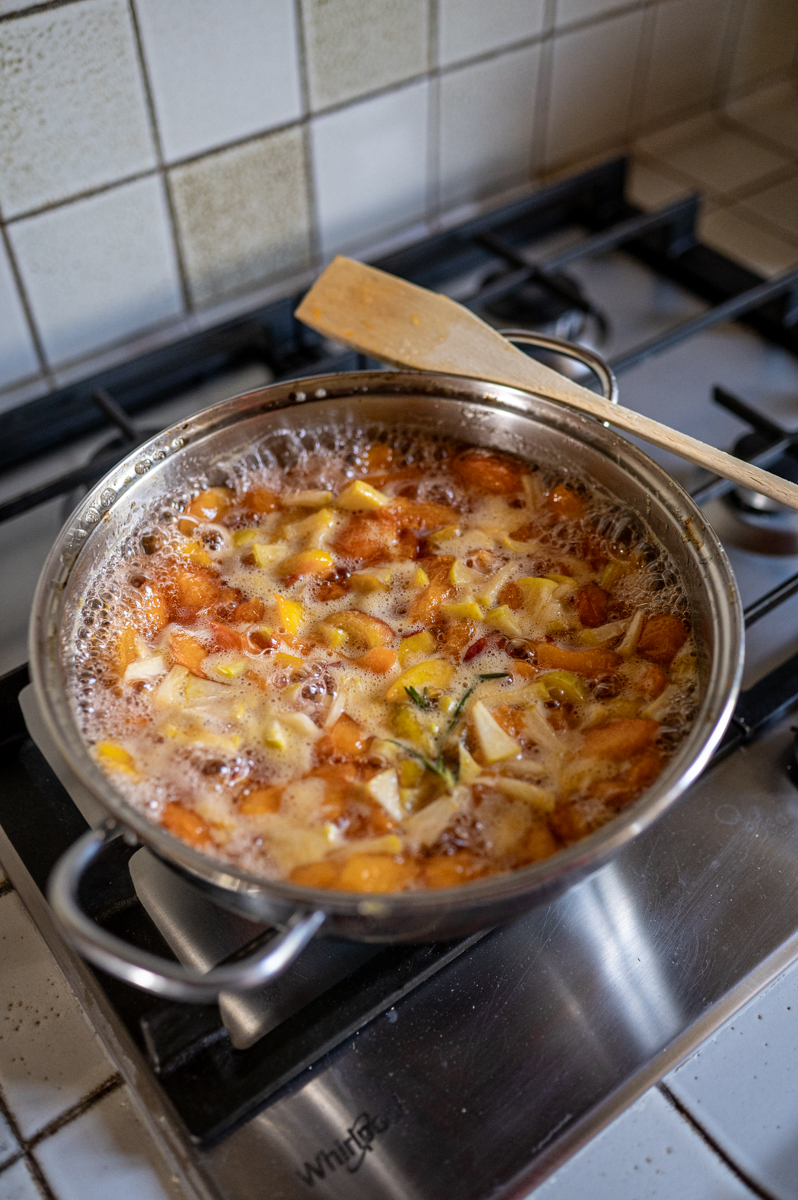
{"type": "Point", "coordinates": [165, 182]}
{"type": "Point", "coordinates": [40, 1178]}
{"type": "Point", "coordinates": [111, 1084]}
{"type": "Point", "coordinates": [307, 153]}
{"type": "Point", "coordinates": [35, 9]}
{"type": "Point", "coordinates": [685, 1113]}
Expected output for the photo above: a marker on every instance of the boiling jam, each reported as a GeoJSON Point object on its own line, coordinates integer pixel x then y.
{"type": "Point", "coordinates": [393, 663]}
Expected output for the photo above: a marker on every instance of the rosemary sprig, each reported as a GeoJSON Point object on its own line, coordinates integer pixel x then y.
{"type": "Point", "coordinates": [480, 679]}
{"type": "Point", "coordinates": [438, 767]}
{"type": "Point", "coordinates": [422, 701]}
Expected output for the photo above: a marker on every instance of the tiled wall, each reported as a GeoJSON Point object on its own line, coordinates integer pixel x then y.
{"type": "Point", "coordinates": [160, 160]}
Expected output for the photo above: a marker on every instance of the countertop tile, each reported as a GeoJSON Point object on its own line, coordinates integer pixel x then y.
{"type": "Point", "coordinates": [99, 269]}
{"type": "Point", "coordinates": [243, 214]}
{"type": "Point", "coordinates": [470, 27]}
{"type": "Point", "coordinates": [742, 1087]}
{"type": "Point", "coordinates": [685, 51]}
{"type": "Point", "coordinates": [17, 355]}
{"type": "Point", "coordinates": [356, 46]}
{"type": "Point", "coordinates": [50, 1057]}
{"type": "Point", "coordinates": [72, 97]}
{"type": "Point", "coordinates": [591, 89]}
{"type": "Point", "coordinates": [219, 72]}
{"type": "Point", "coordinates": [486, 125]}
{"type": "Point", "coordinates": [778, 205]}
{"type": "Point", "coordinates": [16, 1183]}
{"type": "Point", "coordinates": [648, 1152]}
{"type": "Point", "coordinates": [651, 187]}
{"type": "Point", "coordinates": [370, 167]}
{"type": "Point", "coordinates": [771, 111]}
{"type": "Point", "coordinates": [105, 1153]}
{"type": "Point", "coordinates": [717, 158]}
{"type": "Point", "coordinates": [766, 40]}
{"type": "Point", "coordinates": [735, 233]}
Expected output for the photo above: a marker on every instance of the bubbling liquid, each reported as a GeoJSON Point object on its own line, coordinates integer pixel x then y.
{"type": "Point", "coordinates": [375, 661]}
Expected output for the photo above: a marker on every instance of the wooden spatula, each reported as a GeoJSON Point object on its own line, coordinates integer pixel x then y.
{"type": "Point", "coordinates": [408, 326]}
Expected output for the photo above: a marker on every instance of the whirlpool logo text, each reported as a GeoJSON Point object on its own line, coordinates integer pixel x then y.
{"type": "Point", "coordinates": [348, 1152]}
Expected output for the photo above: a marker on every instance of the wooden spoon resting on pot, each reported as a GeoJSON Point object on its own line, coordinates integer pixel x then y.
{"type": "Point", "coordinates": [409, 326]}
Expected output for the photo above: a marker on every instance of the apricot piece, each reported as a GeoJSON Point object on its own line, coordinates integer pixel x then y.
{"type": "Point", "coordinates": [188, 652]}
{"type": "Point", "coordinates": [493, 474]}
{"type": "Point", "coordinates": [636, 775]}
{"type": "Point", "coordinates": [592, 605]}
{"type": "Point", "coordinates": [249, 611]}
{"type": "Point", "coordinates": [427, 603]}
{"type": "Point", "coordinates": [511, 596]}
{"type": "Point", "coordinates": [195, 588]}
{"type": "Point", "coordinates": [663, 635]}
{"type": "Point", "coordinates": [435, 674]}
{"type": "Point", "coordinates": [347, 737]}
{"type": "Point", "coordinates": [185, 824]}
{"type": "Point", "coordinates": [651, 681]}
{"type": "Point", "coordinates": [379, 659]}
{"type": "Point", "coordinates": [340, 780]}
{"type": "Point", "coordinates": [307, 562]}
{"type": "Point", "coordinates": [368, 540]}
{"type": "Point", "coordinates": [456, 638]}
{"type": "Point", "coordinates": [375, 873]}
{"type": "Point", "coordinates": [421, 516]}
{"type": "Point", "coordinates": [511, 719]}
{"type": "Point", "coordinates": [449, 870]}
{"type": "Point", "coordinates": [316, 875]}
{"type": "Point", "coordinates": [621, 739]}
{"type": "Point", "coordinates": [127, 648]}
{"type": "Point", "coordinates": [260, 500]}
{"type": "Point", "coordinates": [564, 501]}
{"type": "Point", "coordinates": [261, 800]}
{"type": "Point", "coordinates": [596, 660]}
{"type": "Point", "coordinates": [210, 505]}
{"type": "Point", "coordinates": [539, 843]}
{"type": "Point", "coordinates": [152, 611]}
{"type": "Point", "coordinates": [362, 628]}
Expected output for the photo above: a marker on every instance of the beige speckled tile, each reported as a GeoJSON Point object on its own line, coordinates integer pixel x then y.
{"type": "Point", "coordinates": [778, 205]}
{"type": "Point", "coordinates": [591, 87]}
{"type": "Point", "coordinates": [718, 159]}
{"type": "Point", "coordinates": [487, 111]}
{"type": "Point", "coordinates": [50, 1057]}
{"type": "Point", "coordinates": [243, 214]}
{"type": "Point", "coordinates": [72, 99]}
{"type": "Point", "coordinates": [685, 52]}
{"type": "Point", "coordinates": [106, 1154]}
{"type": "Point", "coordinates": [358, 46]}
{"type": "Point", "coordinates": [732, 231]}
{"type": "Point", "coordinates": [17, 354]}
{"type": "Point", "coordinates": [467, 28]}
{"type": "Point", "coordinates": [766, 41]}
{"type": "Point", "coordinates": [652, 188]}
{"type": "Point", "coordinates": [771, 111]}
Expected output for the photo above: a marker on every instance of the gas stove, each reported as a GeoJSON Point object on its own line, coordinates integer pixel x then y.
{"type": "Point", "coordinates": [471, 1068]}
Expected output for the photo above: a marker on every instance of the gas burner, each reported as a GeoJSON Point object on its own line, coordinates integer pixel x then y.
{"type": "Point", "coordinates": [116, 446]}
{"type": "Point", "coordinates": [745, 518]}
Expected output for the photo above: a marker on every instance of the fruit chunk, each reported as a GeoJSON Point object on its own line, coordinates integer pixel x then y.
{"type": "Point", "coordinates": [261, 500]}
{"type": "Point", "coordinates": [384, 788]}
{"type": "Point", "coordinates": [290, 614]}
{"type": "Point", "coordinates": [502, 618]}
{"type": "Point", "coordinates": [116, 758]}
{"type": "Point", "coordinates": [346, 738]}
{"type": "Point", "coordinates": [316, 875]}
{"type": "Point", "coordinates": [370, 539]}
{"type": "Point", "coordinates": [592, 604]}
{"type": "Point", "coordinates": [594, 661]}
{"type": "Point", "coordinates": [188, 652]}
{"type": "Point", "coordinates": [417, 643]}
{"type": "Point", "coordinates": [494, 744]}
{"type": "Point", "coordinates": [210, 505]}
{"type": "Point", "coordinates": [185, 824]}
{"type": "Point", "coordinates": [127, 650]}
{"type": "Point", "coordinates": [494, 474]}
{"type": "Point", "coordinates": [537, 593]}
{"type": "Point", "coordinates": [195, 589]}
{"type": "Point", "coordinates": [361, 627]}
{"type": "Point", "coordinates": [379, 659]}
{"type": "Point", "coordinates": [621, 739]}
{"type": "Point", "coordinates": [450, 870]}
{"type": "Point", "coordinates": [663, 635]}
{"type": "Point", "coordinates": [307, 562]}
{"type": "Point", "coordinates": [434, 674]}
{"type": "Point", "coordinates": [361, 497]}
{"type": "Point", "coordinates": [564, 685]}
{"type": "Point", "coordinates": [375, 873]}
{"type": "Point", "coordinates": [152, 611]}
{"type": "Point", "coordinates": [261, 800]}
{"type": "Point", "coordinates": [564, 501]}
{"type": "Point", "coordinates": [268, 555]}
{"type": "Point", "coordinates": [467, 611]}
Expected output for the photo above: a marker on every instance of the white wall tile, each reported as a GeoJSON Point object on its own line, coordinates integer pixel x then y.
{"type": "Point", "coordinates": [649, 1152]}
{"type": "Point", "coordinates": [106, 1153]}
{"type": "Point", "coordinates": [467, 28]}
{"type": "Point", "coordinates": [219, 72]}
{"type": "Point", "coordinates": [486, 120]}
{"type": "Point", "coordinates": [571, 11]}
{"type": "Point", "coordinates": [72, 99]}
{"type": "Point", "coordinates": [370, 167]}
{"type": "Point", "coordinates": [50, 1057]}
{"type": "Point", "coordinates": [99, 269]}
{"type": "Point", "coordinates": [766, 42]}
{"type": "Point", "coordinates": [357, 46]}
{"type": "Point", "coordinates": [685, 51]}
{"type": "Point", "coordinates": [17, 354]}
{"type": "Point", "coordinates": [742, 1086]}
{"type": "Point", "coordinates": [243, 214]}
{"type": "Point", "coordinates": [9, 1145]}
{"type": "Point", "coordinates": [17, 1183]}
{"type": "Point", "coordinates": [591, 89]}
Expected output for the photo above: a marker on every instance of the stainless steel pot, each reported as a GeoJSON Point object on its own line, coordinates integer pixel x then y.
{"type": "Point", "coordinates": [192, 454]}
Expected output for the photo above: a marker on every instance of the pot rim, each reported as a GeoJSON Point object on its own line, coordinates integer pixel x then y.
{"type": "Point", "coordinates": [572, 862]}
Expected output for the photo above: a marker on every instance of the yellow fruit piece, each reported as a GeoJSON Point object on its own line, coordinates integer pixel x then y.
{"type": "Point", "coordinates": [410, 772]}
{"type": "Point", "coordinates": [520, 789]}
{"type": "Point", "coordinates": [460, 575]}
{"type": "Point", "coordinates": [290, 614]}
{"type": "Point", "coordinates": [537, 593]}
{"type": "Point", "coordinates": [116, 758]}
{"type": "Point", "coordinates": [434, 674]}
{"type": "Point", "coordinates": [445, 534]}
{"type": "Point", "coordinates": [242, 537]}
{"type": "Point", "coordinates": [287, 660]}
{"type": "Point", "coordinates": [493, 742]}
{"type": "Point", "coordinates": [447, 704]}
{"type": "Point", "coordinates": [611, 574]}
{"type": "Point", "coordinates": [407, 725]}
{"type": "Point", "coordinates": [418, 643]}
{"type": "Point", "coordinates": [312, 499]}
{"type": "Point", "coordinates": [561, 579]}
{"type": "Point", "coordinates": [420, 578]}
{"type": "Point", "coordinates": [469, 769]}
{"type": "Point", "coordinates": [361, 497]}
{"type": "Point", "coordinates": [332, 637]}
{"type": "Point", "coordinates": [516, 547]}
{"type": "Point", "coordinates": [196, 554]}
{"type": "Point", "coordinates": [314, 528]}
{"type": "Point", "coordinates": [307, 562]}
{"type": "Point", "coordinates": [274, 735]}
{"type": "Point", "coordinates": [468, 611]}
{"type": "Point", "coordinates": [564, 685]}
{"type": "Point", "coordinates": [231, 669]}
{"type": "Point", "coordinates": [268, 555]}
{"type": "Point", "coordinates": [364, 630]}
{"type": "Point", "coordinates": [371, 581]}
{"type": "Point", "coordinates": [504, 619]}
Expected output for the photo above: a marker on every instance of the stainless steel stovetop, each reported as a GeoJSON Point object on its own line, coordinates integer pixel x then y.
{"type": "Point", "coordinates": [482, 1079]}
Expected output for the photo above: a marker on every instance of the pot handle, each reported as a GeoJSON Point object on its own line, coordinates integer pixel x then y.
{"type": "Point", "coordinates": [148, 971]}
{"type": "Point", "coordinates": [588, 358]}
